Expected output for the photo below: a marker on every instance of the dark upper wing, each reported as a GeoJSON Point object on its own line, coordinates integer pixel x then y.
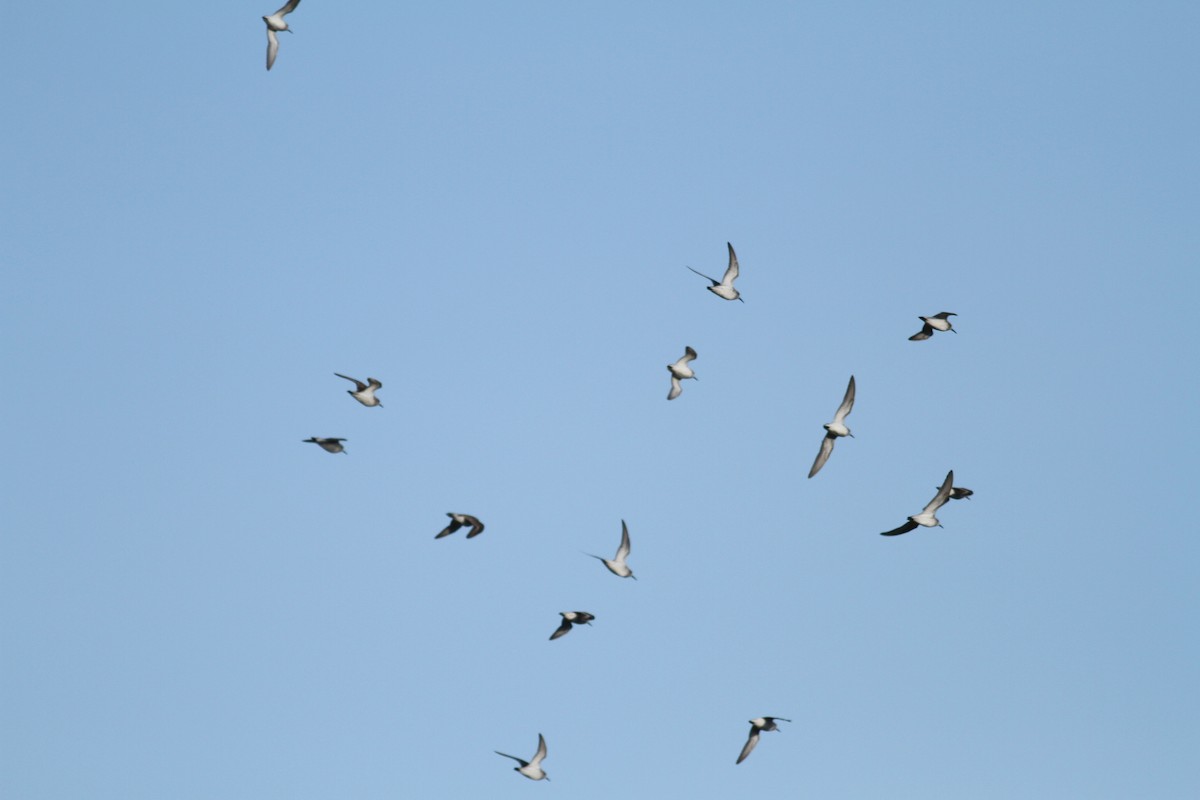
{"type": "Point", "coordinates": [905, 528]}
{"type": "Point", "coordinates": [476, 525]}
{"type": "Point", "coordinates": [449, 529]}
{"type": "Point", "coordinates": [562, 630]}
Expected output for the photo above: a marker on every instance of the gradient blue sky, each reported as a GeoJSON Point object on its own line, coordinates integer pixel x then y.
{"type": "Point", "coordinates": [490, 208]}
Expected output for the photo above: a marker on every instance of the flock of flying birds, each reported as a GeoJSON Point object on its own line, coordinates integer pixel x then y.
{"type": "Point", "coordinates": [680, 371]}
{"type": "Point", "coordinates": [618, 565]}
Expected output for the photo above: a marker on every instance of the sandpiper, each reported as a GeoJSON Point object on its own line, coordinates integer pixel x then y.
{"type": "Point", "coordinates": [681, 371]}
{"type": "Point", "coordinates": [457, 521]}
{"type": "Point", "coordinates": [757, 726]}
{"type": "Point", "coordinates": [531, 769]}
{"type": "Point", "coordinates": [328, 445]}
{"type": "Point", "coordinates": [571, 618]}
{"type": "Point", "coordinates": [835, 429]}
{"type": "Point", "coordinates": [926, 518]}
{"type": "Point", "coordinates": [276, 22]}
{"type": "Point", "coordinates": [617, 566]}
{"type": "Point", "coordinates": [724, 288]}
{"type": "Point", "coordinates": [363, 392]}
{"type": "Point", "coordinates": [938, 322]}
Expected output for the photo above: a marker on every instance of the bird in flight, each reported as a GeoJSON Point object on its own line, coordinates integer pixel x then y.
{"type": "Point", "coordinates": [363, 392]}
{"type": "Point", "coordinates": [328, 445]}
{"type": "Point", "coordinates": [571, 618]}
{"type": "Point", "coordinates": [926, 518]}
{"type": "Point", "coordinates": [938, 322]}
{"type": "Point", "coordinates": [617, 566]}
{"type": "Point", "coordinates": [457, 521]}
{"type": "Point", "coordinates": [275, 23]}
{"type": "Point", "coordinates": [757, 726]}
{"type": "Point", "coordinates": [724, 288]}
{"type": "Point", "coordinates": [531, 769]}
{"type": "Point", "coordinates": [835, 429]}
{"type": "Point", "coordinates": [681, 371]}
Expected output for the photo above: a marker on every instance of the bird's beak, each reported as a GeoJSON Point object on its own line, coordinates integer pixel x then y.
{"type": "Point", "coordinates": [740, 298]}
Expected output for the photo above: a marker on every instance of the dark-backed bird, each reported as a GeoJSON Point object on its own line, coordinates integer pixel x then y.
{"type": "Point", "coordinates": [938, 322]}
{"type": "Point", "coordinates": [328, 445]}
{"type": "Point", "coordinates": [757, 726]}
{"type": "Point", "coordinates": [571, 618]}
{"type": "Point", "coordinates": [459, 520]}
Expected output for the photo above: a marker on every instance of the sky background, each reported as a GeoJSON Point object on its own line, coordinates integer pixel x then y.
{"type": "Point", "coordinates": [490, 208]}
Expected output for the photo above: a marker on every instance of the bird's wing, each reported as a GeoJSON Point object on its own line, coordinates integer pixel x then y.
{"type": "Point", "coordinates": [847, 403]}
{"type": "Point", "coordinates": [923, 334]}
{"type": "Point", "coordinates": [676, 388]}
{"type": "Point", "coordinates": [688, 355]}
{"type": "Point", "coordinates": [623, 550]}
{"type": "Point", "coordinates": [288, 8]}
{"type": "Point", "coordinates": [751, 743]}
{"type": "Point", "coordinates": [781, 719]}
{"type": "Point", "coordinates": [905, 528]}
{"type": "Point", "coordinates": [943, 494]}
{"type": "Point", "coordinates": [374, 383]}
{"type": "Point", "coordinates": [449, 529]}
{"type": "Point", "coordinates": [562, 630]}
{"type": "Point", "coordinates": [272, 48]}
{"type": "Point", "coordinates": [359, 385]}
{"type": "Point", "coordinates": [520, 761]}
{"type": "Point", "coordinates": [476, 525]}
{"type": "Point", "coordinates": [731, 272]}
{"type": "Point", "coordinates": [541, 751]}
{"type": "Point", "coordinates": [714, 281]}
{"type": "Point", "coordinates": [944, 315]}
{"type": "Point", "coordinates": [584, 617]}
{"type": "Point", "coordinates": [823, 454]}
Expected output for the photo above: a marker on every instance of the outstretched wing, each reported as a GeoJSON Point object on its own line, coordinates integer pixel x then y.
{"type": "Point", "coordinates": [358, 385]}
{"type": "Point", "coordinates": [751, 743]}
{"type": "Point", "coordinates": [714, 281]}
{"type": "Point", "coordinates": [823, 454]}
{"type": "Point", "coordinates": [676, 388]}
{"type": "Point", "coordinates": [562, 630]}
{"type": "Point", "coordinates": [731, 272]}
{"type": "Point", "coordinates": [905, 528]}
{"type": "Point", "coordinates": [541, 751]}
{"type": "Point", "coordinates": [943, 494]}
{"type": "Point", "coordinates": [288, 8]}
{"type": "Point", "coordinates": [847, 403]}
{"type": "Point", "coordinates": [449, 529]}
{"type": "Point", "coordinates": [476, 525]}
{"type": "Point", "coordinates": [923, 334]}
{"type": "Point", "coordinates": [272, 48]}
{"type": "Point", "coordinates": [623, 550]}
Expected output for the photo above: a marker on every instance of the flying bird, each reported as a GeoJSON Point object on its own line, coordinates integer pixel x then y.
{"type": "Point", "coordinates": [275, 23]}
{"type": "Point", "coordinates": [960, 493]}
{"type": "Point", "coordinates": [757, 726]}
{"type": "Point", "coordinates": [724, 288]}
{"type": "Point", "coordinates": [938, 322]}
{"type": "Point", "coordinates": [531, 769]}
{"type": "Point", "coordinates": [457, 521]}
{"type": "Point", "coordinates": [363, 392]}
{"type": "Point", "coordinates": [926, 518]}
{"type": "Point", "coordinates": [571, 618]}
{"type": "Point", "coordinates": [835, 429]}
{"type": "Point", "coordinates": [617, 566]}
{"type": "Point", "coordinates": [328, 445]}
{"type": "Point", "coordinates": [681, 371]}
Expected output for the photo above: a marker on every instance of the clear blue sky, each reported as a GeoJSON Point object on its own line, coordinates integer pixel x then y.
{"type": "Point", "coordinates": [490, 208]}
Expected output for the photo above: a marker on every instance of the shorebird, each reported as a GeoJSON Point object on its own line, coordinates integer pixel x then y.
{"type": "Point", "coordinates": [328, 445]}
{"type": "Point", "coordinates": [926, 518]}
{"type": "Point", "coordinates": [835, 429]}
{"type": "Point", "coordinates": [571, 618]}
{"type": "Point", "coordinates": [960, 493]}
{"type": "Point", "coordinates": [617, 566]}
{"type": "Point", "coordinates": [457, 521]}
{"type": "Point", "coordinates": [531, 769]}
{"type": "Point", "coordinates": [724, 288]}
{"type": "Point", "coordinates": [275, 23]}
{"type": "Point", "coordinates": [757, 726]}
{"type": "Point", "coordinates": [681, 371]}
{"type": "Point", "coordinates": [938, 322]}
{"type": "Point", "coordinates": [363, 392]}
